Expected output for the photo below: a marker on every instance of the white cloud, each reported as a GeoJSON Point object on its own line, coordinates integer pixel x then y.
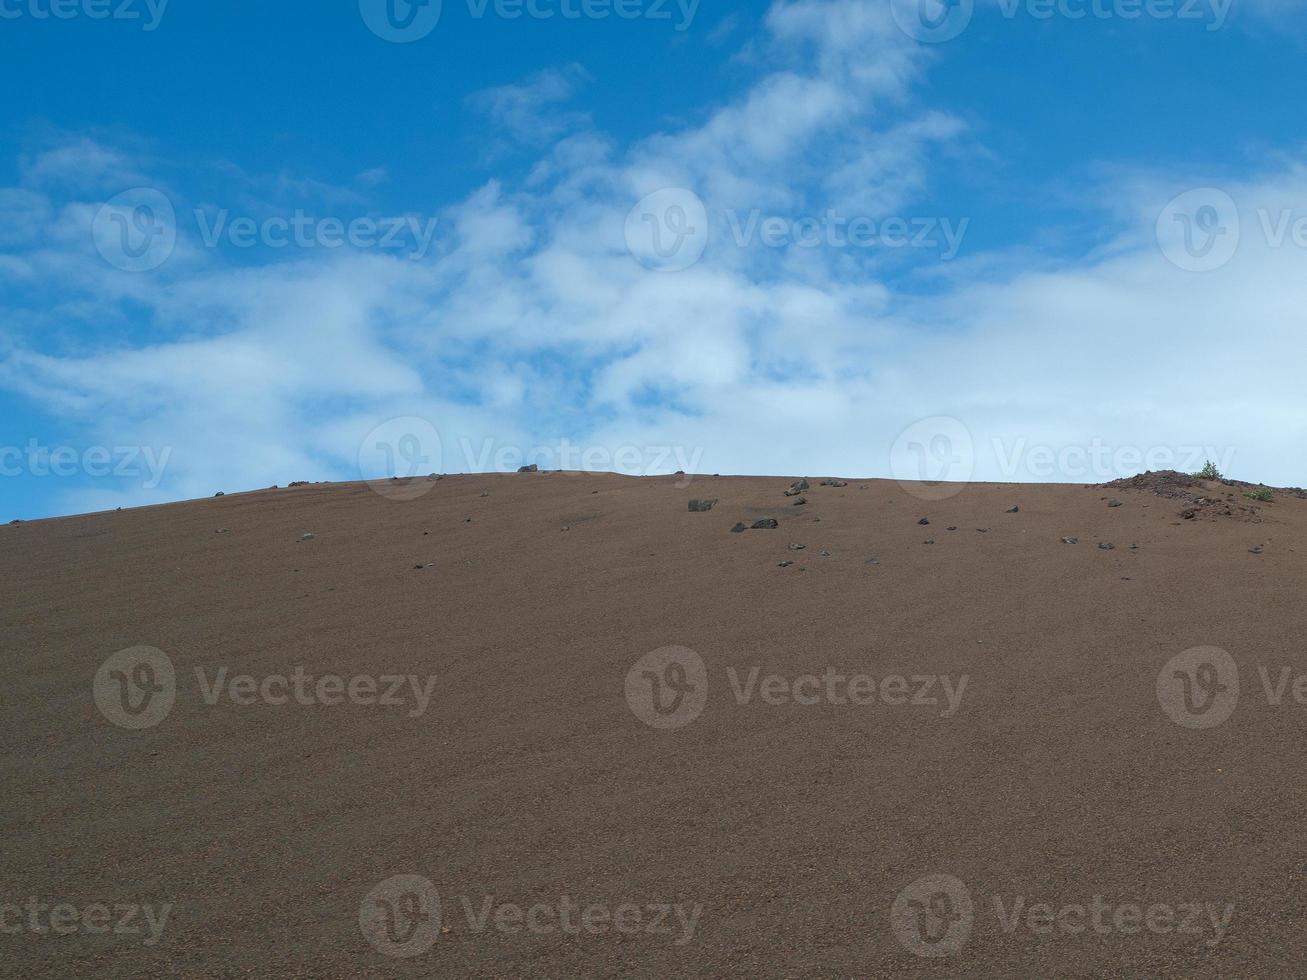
{"type": "Point", "coordinates": [533, 324]}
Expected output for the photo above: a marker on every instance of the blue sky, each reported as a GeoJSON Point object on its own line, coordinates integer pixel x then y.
{"type": "Point", "coordinates": [245, 244]}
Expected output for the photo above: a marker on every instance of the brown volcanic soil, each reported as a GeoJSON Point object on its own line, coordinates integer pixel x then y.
{"type": "Point", "coordinates": [529, 778]}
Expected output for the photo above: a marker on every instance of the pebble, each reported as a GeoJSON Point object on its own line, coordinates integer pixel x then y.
{"type": "Point", "coordinates": [824, 553]}
{"type": "Point", "coordinates": [951, 527]}
{"type": "Point", "coordinates": [872, 561]}
{"type": "Point", "coordinates": [739, 527]}
{"type": "Point", "coordinates": [983, 530]}
{"type": "Point", "coordinates": [929, 541]}
{"type": "Point", "coordinates": [785, 564]}
{"type": "Point", "coordinates": [1070, 540]}
{"type": "Point", "coordinates": [796, 547]}
{"type": "Point", "coordinates": [1256, 550]}
{"type": "Point", "coordinates": [1114, 503]}
{"type": "Point", "coordinates": [924, 521]}
{"type": "Point", "coordinates": [1106, 546]}
{"type": "Point", "coordinates": [766, 524]}
{"type": "Point", "coordinates": [1014, 509]}
{"type": "Point", "coordinates": [307, 536]}
{"type": "Point", "coordinates": [222, 530]}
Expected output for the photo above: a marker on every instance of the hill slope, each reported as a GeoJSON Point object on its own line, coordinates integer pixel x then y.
{"type": "Point", "coordinates": [753, 803]}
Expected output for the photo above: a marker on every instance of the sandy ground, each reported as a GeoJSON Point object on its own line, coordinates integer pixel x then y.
{"type": "Point", "coordinates": [1001, 789]}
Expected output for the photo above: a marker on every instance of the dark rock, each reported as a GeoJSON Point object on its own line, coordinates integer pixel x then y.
{"type": "Point", "coordinates": [702, 506]}
{"type": "Point", "coordinates": [796, 547]}
{"type": "Point", "coordinates": [785, 564]}
{"type": "Point", "coordinates": [800, 501]}
{"type": "Point", "coordinates": [872, 561]}
{"type": "Point", "coordinates": [824, 553]}
{"type": "Point", "coordinates": [739, 527]}
{"type": "Point", "coordinates": [220, 494]}
{"type": "Point", "coordinates": [765, 524]}
{"type": "Point", "coordinates": [1070, 540]}
{"type": "Point", "coordinates": [307, 536]}
{"type": "Point", "coordinates": [1114, 503]}
{"type": "Point", "coordinates": [951, 527]}
{"type": "Point", "coordinates": [1256, 549]}
{"type": "Point", "coordinates": [924, 521]}
{"type": "Point", "coordinates": [529, 468]}
{"type": "Point", "coordinates": [1014, 509]}
{"type": "Point", "coordinates": [1106, 546]}
{"type": "Point", "coordinates": [797, 487]}
{"type": "Point", "coordinates": [929, 541]}
{"type": "Point", "coordinates": [983, 530]}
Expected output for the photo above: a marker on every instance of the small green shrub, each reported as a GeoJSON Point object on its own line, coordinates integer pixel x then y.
{"type": "Point", "coordinates": [1209, 472]}
{"type": "Point", "coordinates": [1261, 493]}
